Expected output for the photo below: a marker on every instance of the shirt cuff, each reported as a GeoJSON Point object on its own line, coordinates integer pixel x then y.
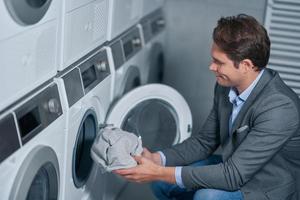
{"type": "Point", "coordinates": [163, 158]}
{"type": "Point", "coordinates": [178, 177]}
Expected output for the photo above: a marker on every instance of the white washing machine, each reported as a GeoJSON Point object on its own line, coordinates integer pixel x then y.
{"type": "Point", "coordinates": [126, 53]}
{"type": "Point", "coordinates": [32, 147]}
{"type": "Point", "coordinates": [83, 28]}
{"type": "Point", "coordinates": [122, 15]}
{"type": "Point", "coordinates": [154, 40]}
{"type": "Point", "coordinates": [88, 88]}
{"type": "Point", "coordinates": [156, 112]}
{"type": "Point", "coordinates": [150, 6]}
{"type": "Point", "coordinates": [28, 46]}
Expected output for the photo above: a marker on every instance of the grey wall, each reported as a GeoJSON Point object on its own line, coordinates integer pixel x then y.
{"type": "Point", "coordinates": [190, 24]}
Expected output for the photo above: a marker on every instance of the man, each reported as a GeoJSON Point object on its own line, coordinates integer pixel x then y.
{"type": "Point", "coordinates": [254, 119]}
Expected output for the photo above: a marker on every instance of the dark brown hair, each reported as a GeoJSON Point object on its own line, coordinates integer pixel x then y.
{"type": "Point", "coordinates": [243, 37]}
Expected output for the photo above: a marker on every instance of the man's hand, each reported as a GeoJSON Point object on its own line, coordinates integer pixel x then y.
{"type": "Point", "coordinates": [147, 171]}
{"type": "Point", "coordinates": [154, 157]}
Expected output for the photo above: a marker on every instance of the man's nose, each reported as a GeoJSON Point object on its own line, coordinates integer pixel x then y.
{"type": "Point", "coordinates": [213, 67]}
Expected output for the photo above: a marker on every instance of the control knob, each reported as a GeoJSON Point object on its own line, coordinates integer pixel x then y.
{"type": "Point", "coordinates": [101, 66]}
{"type": "Point", "coordinates": [53, 106]}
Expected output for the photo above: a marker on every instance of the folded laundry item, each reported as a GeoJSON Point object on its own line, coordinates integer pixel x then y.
{"type": "Point", "coordinates": [113, 149]}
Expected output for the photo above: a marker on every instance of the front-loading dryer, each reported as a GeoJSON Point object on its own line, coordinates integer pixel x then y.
{"type": "Point", "coordinates": [122, 15]}
{"type": "Point", "coordinates": [83, 28]}
{"type": "Point", "coordinates": [88, 88]}
{"type": "Point", "coordinates": [154, 40]}
{"type": "Point", "coordinates": [126, 53]}
{"type": "Point", "coordinates": [32, 147]}
{"type": "Point", "coordinates": [28, 46]}
{"type": "Point", "coordinates": [157, 113]}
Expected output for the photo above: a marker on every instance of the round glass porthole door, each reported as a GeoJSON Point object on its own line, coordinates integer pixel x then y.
{"type": "Point", "coordinates": [42, 184]}
{"type": "Point", "coordinates": [38, 177]}
{"type": "Point", "coordinates": [82, 161]}
{"type": "Point", "coordinates": [27, 12]}
{"type": "Point", "coordinates": [155, 121]}
{"type": "Point", "coordinates": [156, 112]}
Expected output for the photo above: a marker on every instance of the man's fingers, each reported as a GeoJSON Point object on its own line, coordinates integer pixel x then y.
{"type": "Point", "coordinates": [134, 178]}
{"type": "Point", "coordinates": [138, 159]}
{"type": "Point", "coordinates": [123, 172]}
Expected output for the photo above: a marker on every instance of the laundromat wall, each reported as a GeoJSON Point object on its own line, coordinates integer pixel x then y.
{"type": "Point", "coordinates": [190, 25]}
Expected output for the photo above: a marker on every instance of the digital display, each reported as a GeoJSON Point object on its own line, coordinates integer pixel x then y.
{"type": "Point", "coordinates": [29, 122]}
{"type": "Point", "coordinates": [89, 76]}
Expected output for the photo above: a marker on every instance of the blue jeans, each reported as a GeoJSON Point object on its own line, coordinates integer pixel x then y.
{"type": "Point", "coordinates": [167, 191]}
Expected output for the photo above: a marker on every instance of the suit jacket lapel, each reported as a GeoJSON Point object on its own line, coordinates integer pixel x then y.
{"type": "Point", "coordinates": [225, 115]}
{"type": "Point", "coordinates": [266, 77]}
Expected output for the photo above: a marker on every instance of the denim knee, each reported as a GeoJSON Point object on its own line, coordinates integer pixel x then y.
{"type": "Point", "coordinates": [206, 194]}
{"type": "Point", "coordinates": [167, 191]}
{"type": "Point", "coordinates": [214, 194]}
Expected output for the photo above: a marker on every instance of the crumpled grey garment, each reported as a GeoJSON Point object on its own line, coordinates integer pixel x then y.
{"type": "Point", "coordinates": [113, 149]}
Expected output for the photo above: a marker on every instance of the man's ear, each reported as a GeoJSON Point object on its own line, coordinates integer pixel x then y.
{"type": "Point", "coordinates": [246, 65]}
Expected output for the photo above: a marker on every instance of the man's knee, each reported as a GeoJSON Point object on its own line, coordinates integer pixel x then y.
{"type": "Point", "coordinates": [206, 194]}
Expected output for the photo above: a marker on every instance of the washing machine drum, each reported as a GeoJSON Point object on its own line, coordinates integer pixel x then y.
{"type": "Point", "coordinates": [154, 121]}
{"type": "Point", "coordinates": [27, 12]}
{"type": "Point", "coordinates": [38, 176]}
{"type": "Point", "coordinates": [157, 64]}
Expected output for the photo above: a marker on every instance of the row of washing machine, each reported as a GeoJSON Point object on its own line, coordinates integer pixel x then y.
{"type": "Point", "coordinates": [46, 136]}
{"type": "Point", "coordinates": [41, 37]}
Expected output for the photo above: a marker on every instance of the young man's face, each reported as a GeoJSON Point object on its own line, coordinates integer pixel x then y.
{"type": "Point", "coordinates": [226, 73]}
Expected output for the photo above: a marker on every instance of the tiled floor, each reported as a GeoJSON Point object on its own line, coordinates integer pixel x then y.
{"type": "Point", "coordinates": [135, 191]}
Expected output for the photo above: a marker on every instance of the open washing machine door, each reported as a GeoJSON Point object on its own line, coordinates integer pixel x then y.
{"type": "Point", "coordinates": [156, 112]}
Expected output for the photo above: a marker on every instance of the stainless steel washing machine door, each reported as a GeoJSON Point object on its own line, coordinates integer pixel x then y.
{"type": "Point", "coordinates": [38, 177]}
{"type": "Point", "coordinates": [156, 112]}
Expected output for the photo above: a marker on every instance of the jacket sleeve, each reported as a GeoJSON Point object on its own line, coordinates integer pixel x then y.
{"type": "Point", "coordinates": [199, 146]}
{"type": "Point", "coordinates": [274, 122]}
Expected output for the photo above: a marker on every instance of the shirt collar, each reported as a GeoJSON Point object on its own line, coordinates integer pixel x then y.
{"type": "Point", "coordinates": [238, 99]}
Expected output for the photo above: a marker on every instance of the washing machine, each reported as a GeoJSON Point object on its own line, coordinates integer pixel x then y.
{"type": "Point", "coordinates": [150, 6]}
{"type": "Point", "coordinates": [28, 46]}
{"type": "Point", "coordinates": [88, 87]}
{"type": "Point", "coordinates": [32, 146]}
{"type": "Point", "coordinates": [122, 16]}
{"type": "Point", "coordinates": [126, 53]}
{"type": "Point", "coordinates": [154, 40]}
{"type": "Point", "coordinates": [157, 113]}
{"type": "Point", "coordinates": [83, 28]}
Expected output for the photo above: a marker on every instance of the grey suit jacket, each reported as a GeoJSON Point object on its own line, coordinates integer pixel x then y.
{"type": "Point", "coordinates": [261, 158]}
